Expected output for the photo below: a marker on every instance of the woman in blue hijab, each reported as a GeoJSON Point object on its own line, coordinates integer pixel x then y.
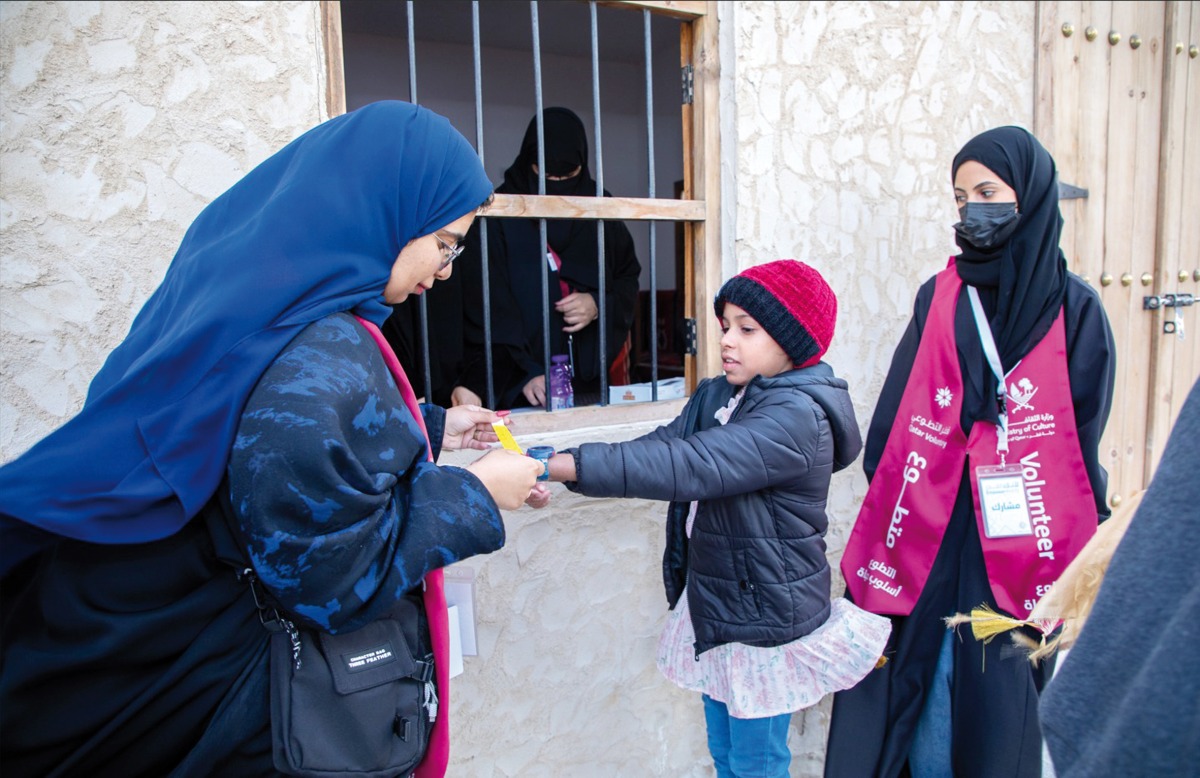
{"type": "Point", "coordinates": [248, 415]}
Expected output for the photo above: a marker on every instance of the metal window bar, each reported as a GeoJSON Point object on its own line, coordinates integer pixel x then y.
{"type": "Point", "coordinates": [483, 222]}
{"type": "Point", "coordinates": [422, 304]}
{"type": "Point", "coordinates": [542, 227]}
{"type": "Point", "coordinates": [541, 144]}
{"type": "Point", "coordinates": [653, 224]}
{"type": "Point", "coordinates": [602, 275]}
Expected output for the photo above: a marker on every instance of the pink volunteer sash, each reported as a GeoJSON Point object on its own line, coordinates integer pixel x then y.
{"type": "Point", "coordinates": [437, 755]}
{"type": "Point", "coordinates": [904, 516]}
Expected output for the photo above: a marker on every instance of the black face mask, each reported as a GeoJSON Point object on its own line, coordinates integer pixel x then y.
{"type": "Point", "coordinates": [987, 226]}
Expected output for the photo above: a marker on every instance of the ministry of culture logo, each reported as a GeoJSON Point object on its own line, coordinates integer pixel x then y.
{"type": "Point", "coordinates": [944, 397]}
{"type": "Point", "coordinates": [1021, 393]}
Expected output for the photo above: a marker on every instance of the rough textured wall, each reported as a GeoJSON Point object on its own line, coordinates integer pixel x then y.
{"type": "Point", "coordinates": [120, 122]}
{"type": "Point", "coordinates": [569, 614]}
{"type": "Point", "coordinates": [848, 115]}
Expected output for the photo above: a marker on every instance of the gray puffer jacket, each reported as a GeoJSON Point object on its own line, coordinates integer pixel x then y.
{"type": "Point", "coordinates": [755, 564]}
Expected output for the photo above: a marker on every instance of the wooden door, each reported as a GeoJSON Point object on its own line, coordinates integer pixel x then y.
{"type": "Point", "coordinates": [1176, 359]}
{"type": "Point", "coordinates": [1117, 104]}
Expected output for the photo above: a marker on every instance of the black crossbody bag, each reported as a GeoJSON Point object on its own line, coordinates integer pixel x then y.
{"type": "Point", "coordinates": [356, 705]}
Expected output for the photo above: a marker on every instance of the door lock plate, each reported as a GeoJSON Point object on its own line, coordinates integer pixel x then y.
{"type": "Point", "coordinates": [1154, 302]}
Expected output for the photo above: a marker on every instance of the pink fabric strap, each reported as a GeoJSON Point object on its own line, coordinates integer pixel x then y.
{"type": "Point", "coordinates": [563, 286]}
{"type": "Point", "coordinates": [895, 540]}
{"type": "Point", "coordinates": [437, 756]}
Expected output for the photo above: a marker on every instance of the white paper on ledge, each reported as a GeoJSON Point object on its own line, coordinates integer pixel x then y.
{"type": "Point", "coordinates": [460, 590]}
{"type": "Point", "coordinates": [456, 655]}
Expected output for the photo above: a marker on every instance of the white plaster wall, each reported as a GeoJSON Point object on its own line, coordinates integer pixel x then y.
{"type": "Point", "coordinates": [121, 120]}
{"type": "Point", "coordinates": [569, 615]}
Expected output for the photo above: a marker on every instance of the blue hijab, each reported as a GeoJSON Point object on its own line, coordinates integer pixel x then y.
{"type": "Point", "coordinates": [312, 231]}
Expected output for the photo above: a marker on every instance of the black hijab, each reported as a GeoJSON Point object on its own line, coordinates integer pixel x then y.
{"type": "Point", "coordinates": [574, 240]}
{"type": "Point", "coordinates": [1022, 282]}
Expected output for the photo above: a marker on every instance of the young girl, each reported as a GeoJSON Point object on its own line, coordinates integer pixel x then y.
{"type": "Point", "coordinates": [746, 467]}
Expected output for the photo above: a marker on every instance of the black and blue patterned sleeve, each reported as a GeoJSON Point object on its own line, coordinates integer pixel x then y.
{"type": "Point", "coordinates": [331, 487]}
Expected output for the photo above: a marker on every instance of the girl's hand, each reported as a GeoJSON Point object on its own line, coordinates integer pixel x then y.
{"type": "Point", "coordinates": [562, 468]}
{"type": "Point", "coordinates": [508, 476]}
{"type": "Point", "coordinates": [469, 426]}
{"type": "Point", "coordinates": [539, 497]}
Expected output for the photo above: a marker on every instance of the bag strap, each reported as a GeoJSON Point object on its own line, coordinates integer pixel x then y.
{"type": "Point", "coordinates": [437, 756]}
{"type": "Point", "coordinates": [230, 552]}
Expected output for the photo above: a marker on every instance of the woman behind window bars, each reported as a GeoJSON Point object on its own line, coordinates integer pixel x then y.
{"type": "Point", "coordinates": [514, 258]}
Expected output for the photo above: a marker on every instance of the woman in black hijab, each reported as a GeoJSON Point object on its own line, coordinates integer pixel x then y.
{"type": "Point", "coordinates": [943, 704]}
{"type": "Point", "coordinates": [515, 267]}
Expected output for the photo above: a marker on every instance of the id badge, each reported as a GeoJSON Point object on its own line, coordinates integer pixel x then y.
{"type": "Point", "coordinates": [1002, 501]}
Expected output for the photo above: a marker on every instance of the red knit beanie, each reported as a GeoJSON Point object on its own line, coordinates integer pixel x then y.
{"type": "Point", "coordinates": [791, 301]}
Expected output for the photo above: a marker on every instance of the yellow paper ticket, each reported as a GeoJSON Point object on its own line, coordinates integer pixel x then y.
{"type": "Point", "coordinates": [506, 438]}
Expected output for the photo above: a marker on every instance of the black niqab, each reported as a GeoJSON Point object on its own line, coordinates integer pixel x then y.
{"type": "Point", "coordinates": [1022, 282]}
{"type": "Point", "coordinates": [566, 149]}
{"type": "Point", "coordinates": [574, 240]}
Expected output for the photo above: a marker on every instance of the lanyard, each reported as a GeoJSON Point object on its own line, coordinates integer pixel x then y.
{"type": "Point", "coordinates": [993, 359]}
{"type": "Point", "coordinates": [555, 263]}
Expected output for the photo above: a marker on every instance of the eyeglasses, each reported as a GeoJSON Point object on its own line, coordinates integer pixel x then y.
{"type": "Point", "coordinates": [449, 252]}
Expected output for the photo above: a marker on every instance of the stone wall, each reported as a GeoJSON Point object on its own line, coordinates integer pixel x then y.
{"type": "Point", "coordinates": [120, 121]}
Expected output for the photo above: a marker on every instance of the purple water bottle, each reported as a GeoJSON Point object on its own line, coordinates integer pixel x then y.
{"type": "Point", "coordinates": [561, 394]}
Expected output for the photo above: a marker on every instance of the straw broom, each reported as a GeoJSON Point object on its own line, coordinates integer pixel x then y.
{"type": "Point", "coordinates": [1069, 601]}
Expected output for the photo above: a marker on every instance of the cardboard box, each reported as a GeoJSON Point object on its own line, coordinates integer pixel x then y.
{"type": "Point", "coordinates": [668, 389]}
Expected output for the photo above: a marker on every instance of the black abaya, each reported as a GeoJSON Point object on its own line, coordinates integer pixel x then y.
{"type": "Point", "coordinates": [107, 675]}
{"type": "Point", "coordinates": [995, 729]}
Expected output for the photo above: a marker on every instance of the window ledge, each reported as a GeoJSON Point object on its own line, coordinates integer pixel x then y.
{"type": "Point", "coordinates": [532, 422]}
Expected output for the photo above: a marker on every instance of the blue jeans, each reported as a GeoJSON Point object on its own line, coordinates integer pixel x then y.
{"type": "Point", "coordinates": [929, 754]}
{"type": "Point", "coordinates": [747, 748]}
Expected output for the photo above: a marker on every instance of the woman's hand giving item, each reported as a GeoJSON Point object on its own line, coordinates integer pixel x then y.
{"type": "Point", "coordinates": [507, 475]}
{"type": "Point", "coordinates": [469, 427]}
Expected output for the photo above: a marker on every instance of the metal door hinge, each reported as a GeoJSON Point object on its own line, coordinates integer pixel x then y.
{"type": "Point", "coordinates": [687, 76]}
{"type": "Point", "coordinates": [1070, 192]}
{"type": "Point", "coordinates": [689, 337]}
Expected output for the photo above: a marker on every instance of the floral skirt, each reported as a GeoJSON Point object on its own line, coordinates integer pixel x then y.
{"type": "Point", "coordinates": [755, 682]}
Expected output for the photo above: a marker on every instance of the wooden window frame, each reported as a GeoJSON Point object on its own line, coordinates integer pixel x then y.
{"type": "Point", "coordinates": [698, 208]}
